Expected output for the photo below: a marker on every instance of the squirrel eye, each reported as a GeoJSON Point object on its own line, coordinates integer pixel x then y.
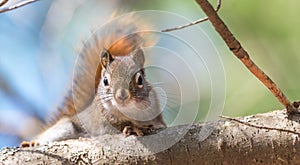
{"type": "Point", "coordinates": [105, 81]}
{"type": "Point", "coordinates": [139, 80]}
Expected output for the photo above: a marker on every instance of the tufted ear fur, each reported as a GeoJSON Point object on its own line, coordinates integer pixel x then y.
{"type": "Point", "coordinates": [138, 57]}
{"type": "Point", "coordinates": [106, 58]}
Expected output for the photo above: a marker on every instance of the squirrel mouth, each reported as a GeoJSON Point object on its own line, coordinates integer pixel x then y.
{"type": "Point", "coordinates": [132, 104]}
{"type": "Point", "coordinates": [123, 103]}
{"type": "Point", "coordinates": [119, 104]}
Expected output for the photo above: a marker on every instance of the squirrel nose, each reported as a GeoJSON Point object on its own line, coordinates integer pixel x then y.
{"type": "Point", "coordinates": [122, 94]}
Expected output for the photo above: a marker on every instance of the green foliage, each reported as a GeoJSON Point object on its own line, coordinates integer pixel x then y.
{"type": "Point", "coordinates": [269, 32]}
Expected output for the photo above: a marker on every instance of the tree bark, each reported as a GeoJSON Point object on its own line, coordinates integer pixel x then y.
{"type": "Point", "coordinates": [229, 142]}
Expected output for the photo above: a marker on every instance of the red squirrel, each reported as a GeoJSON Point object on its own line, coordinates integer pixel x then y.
{"type": "Point", "coordinates": [110, 92]}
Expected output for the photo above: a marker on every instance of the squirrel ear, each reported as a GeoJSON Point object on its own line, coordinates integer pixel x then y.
{"type": "Point", "coordinates": [106, 58]}
{"type": "Point", "coordinates": [138, 56]}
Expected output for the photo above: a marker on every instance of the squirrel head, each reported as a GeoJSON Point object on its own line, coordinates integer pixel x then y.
{"type": "Point", "coordinates": [123, 77]}
{"type": "Point", "coordinates": [123, 86]}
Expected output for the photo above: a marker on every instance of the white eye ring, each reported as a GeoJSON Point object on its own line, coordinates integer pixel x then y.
{"type": "Point", "coordinates": [139, 80]}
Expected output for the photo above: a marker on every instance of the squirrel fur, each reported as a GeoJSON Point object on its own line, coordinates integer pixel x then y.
{"type": "Point", "coordinates": [109, 92]}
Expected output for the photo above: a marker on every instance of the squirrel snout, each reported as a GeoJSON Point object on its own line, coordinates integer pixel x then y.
{"type": "Point", "coordinates": [122, 95]}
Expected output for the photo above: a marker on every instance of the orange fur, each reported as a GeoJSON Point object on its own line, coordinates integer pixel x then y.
{"type": "Point", "coordinates": [120, 35]}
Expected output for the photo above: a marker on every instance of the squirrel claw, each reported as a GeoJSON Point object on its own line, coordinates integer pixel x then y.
{"type": "Point", "coordinates": [25, 144]}
{"type": "Point", "coordinates": [129, 130]}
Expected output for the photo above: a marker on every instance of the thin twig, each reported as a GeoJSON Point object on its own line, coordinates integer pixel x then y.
{"type": "Point", "coordinates": [3, 2]}
{"type": "Point", "coordinates": [193, 23]}
{"type": "Point", "coordinates": [241, 53]}
{"type": "Point", "coordinates": [23, 3]}
{"type": "Point", "coordinates": [260, 127]}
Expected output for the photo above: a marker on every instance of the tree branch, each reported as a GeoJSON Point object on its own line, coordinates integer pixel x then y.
{"type": "Point", "coordinates": [260, 127]}
{"type": "Point", "coordinates": [235, 47]}
{"type": "Point", "coordinates": [18, 5]}
{"type": "Point", "coordinates": [3, 2]}
{"type": "Point", "coordinates": [193, 23]}
{"type": "Point", "coordinates": [229, 143]}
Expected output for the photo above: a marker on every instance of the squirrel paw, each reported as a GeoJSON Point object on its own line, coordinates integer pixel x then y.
{"type": "Point", "coordinates": [25, 144]}
{"type": "Point", "coordinates": [129, 130]}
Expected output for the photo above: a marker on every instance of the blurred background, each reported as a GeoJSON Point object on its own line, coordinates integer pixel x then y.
{"type": "Point", "coordinates": [38, 45]}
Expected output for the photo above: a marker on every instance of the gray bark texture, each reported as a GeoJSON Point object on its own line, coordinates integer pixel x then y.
{"type": "Point", "coordinates": [222, 142]}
